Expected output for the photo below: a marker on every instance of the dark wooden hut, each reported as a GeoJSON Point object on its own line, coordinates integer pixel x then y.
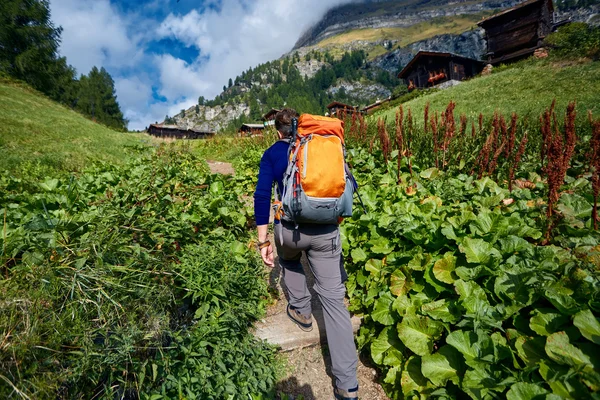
{"type": "Point", "coordinates": [339, 110]}
{"type": "Point", "coordinates": [251, 129]}
{"type": "Point", "coordinates": [517, 32]}
{"type": "Point", "coordinates": [431, 68]}
{"type": "Point", "coordinates": [175, 132]}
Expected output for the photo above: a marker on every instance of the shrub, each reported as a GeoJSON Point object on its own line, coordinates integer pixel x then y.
{"type": "Point", "coordinates": [576, 40]}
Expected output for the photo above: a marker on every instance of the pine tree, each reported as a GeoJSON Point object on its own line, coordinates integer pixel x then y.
{"type": "Point", "coordinates": [230, 82]}
{"type": "Point", "coordinates": [97, 98]}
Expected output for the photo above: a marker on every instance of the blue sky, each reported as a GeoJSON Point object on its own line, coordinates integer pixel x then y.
{"type": "Point", "coordinates": [164, 54]}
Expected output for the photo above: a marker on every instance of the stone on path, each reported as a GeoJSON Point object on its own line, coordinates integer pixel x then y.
{"type": "Point", "coordinates": [280, 331]}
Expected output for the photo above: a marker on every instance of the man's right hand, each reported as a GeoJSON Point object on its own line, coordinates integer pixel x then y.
{"type": "Point", "coordinates": [267, 256]}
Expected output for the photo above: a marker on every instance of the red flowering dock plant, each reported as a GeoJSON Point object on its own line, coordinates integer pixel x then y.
{"type": "Point", "coordinates": [595, 164]}
{"type": "Point", "coordinates": [558, 149]}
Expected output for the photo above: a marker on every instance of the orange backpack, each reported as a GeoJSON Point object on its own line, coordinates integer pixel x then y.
{"type": "Point", "coordinates": [317, 185]}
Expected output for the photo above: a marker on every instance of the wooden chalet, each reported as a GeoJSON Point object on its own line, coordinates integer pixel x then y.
{"type": "Point", "coordinates": [175, 132]}
{"type": "Point", "coordinates": [340, 110]}
{"type": "Point", "coordinates": [372, 107]}
{"type": "Point", "coordinates": [432, 68]}
{"type": "Point", "coordinates": [517, 32]}
{"type": "Point", "coordinates": [251, 129]}
{"type": "Point", "coordinates": [269, 117]}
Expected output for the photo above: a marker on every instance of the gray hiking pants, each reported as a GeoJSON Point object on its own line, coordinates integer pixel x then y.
{"type": "Point", "coordinates": [324, 252]}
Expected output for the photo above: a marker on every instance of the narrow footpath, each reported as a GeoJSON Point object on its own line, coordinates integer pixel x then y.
{"type": "Point", "coordinates": [308, 375]}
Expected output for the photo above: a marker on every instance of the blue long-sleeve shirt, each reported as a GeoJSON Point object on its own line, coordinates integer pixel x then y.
{"type": "Point", "coordinates": [272, 167]}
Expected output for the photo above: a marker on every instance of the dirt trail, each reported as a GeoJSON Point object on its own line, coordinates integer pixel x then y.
{"type": "Point", "coordinates": [308, 375]}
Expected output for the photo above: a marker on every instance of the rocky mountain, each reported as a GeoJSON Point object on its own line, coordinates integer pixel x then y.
{"type": "Point", "coordinates": [398, 13]}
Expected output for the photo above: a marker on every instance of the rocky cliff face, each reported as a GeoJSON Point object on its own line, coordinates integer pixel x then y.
{"type": "Point", "coordinates": [469, 44]}
{"type": "Point", "coordinates": [211, 119]}
{"type": "Point", "coordinates": [391, 14]}
{"type": "Point", "coordinates": [360, 90]}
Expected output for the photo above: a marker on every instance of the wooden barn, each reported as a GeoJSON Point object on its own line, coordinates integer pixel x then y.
{"type": "Point", "coordinates": [269, 117]}
{"type": "Point", "coordinates": [339, 110]}
{"type": "Point", "coordinates": [175, 132]}
{"type": "Point", "coordinates": [251, 129]}
{"type": "Point", "coordinates": [517, 32]}
{"type": "Point", "coordinates": [432, 68]}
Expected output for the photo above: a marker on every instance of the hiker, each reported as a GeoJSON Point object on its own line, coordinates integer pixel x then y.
{"type": "Point", "coordinates": [322, 245]}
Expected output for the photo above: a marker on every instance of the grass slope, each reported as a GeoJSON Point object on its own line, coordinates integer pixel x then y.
{"type": "Point", "coordinates": [526, 88]}
{"type": "Point", "coordinates": [36, 130]}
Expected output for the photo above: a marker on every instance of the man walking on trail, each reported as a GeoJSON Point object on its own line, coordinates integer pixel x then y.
{"type": "Point", "coordinates": [322, 245]}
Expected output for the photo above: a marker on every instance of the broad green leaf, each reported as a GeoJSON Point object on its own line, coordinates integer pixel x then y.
{"type": "Point", "coordinates": [472, 345]}
{"type": "Point", "coordinates": [472, 297]}
{"type": "Point", "coordinates": [588, 325]}
{"type": "Point", "coordinates": [562, 380]}
{"type": "Point", "coordinates": [430, 278]}
{"type": "Point", "coordinates": [217, 188]}
{"type": "Point", "coordinates": [399, 285]}
{"type": "Point", "coordinates": [381, 245]}
{"type": "Point", "coordinates": [430, 173]}
{"type": "Point", "coordinates": [560, 297]}
{"type": "Point", "coordinates": [511, 245]}
{"type": "Point", "coordinates": [545, 321]}
{"type": "Point", "coordinates": [442, 269]}
{"type": "Point", "coordinates": [531, 350]}
{"type": "Point", "coordinates": [573, 205]}
{"type": "Point", "coordinates": [49, 185]}
{"type": "Point", "coordinates": [374, 267]}
{"type": "Point", "coordinates": [418, 333]}
{"type": "Point", "coordinates": [394, 357]}
{"type": "Point", "coordinates": [412, 377]}
{"type": "Point", "coordinates": [559, 349]}
{"type": "Point", "coordinates": [392, 375]}
{"type": "Point", "coordinates": [403, 305]}
{"type": "Point", "coordinates": [478, 251]}
{"type": "Point", "coordinates": [515, 287]}
{"type": "Point", "coordinates": [526, 391]}
{"type": "Point", "coordinates": [419, 262]}
{"type": "Point", "coordinates": [442, 366]}
{"type": "Point", "coordinates": [382, 311]}
{"type": "Point", "coordinates": [358, 255]}
{"type": "Point", "coordinates": [380, 345]}
{"type": "Point", "coordinates": [442, 310]}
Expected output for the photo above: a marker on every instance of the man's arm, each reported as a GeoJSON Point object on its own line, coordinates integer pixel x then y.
{"type": "Point", "coordinates": [262, 207]}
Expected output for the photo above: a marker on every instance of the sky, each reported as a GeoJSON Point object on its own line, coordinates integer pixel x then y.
{"type": "Point", "coordinates": [164, 54]}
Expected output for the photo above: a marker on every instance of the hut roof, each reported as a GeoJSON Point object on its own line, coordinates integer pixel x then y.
{"type": "Point", "coordinates": [513, 9]}
{"type": "Point", "coordinates": [253, 126]}
{"type": "Point", "coordinates": [162, 126]}
{"type": "Point", "coordinates": [423, 53]}
{"type": "Point", "coordinates": [342, 105]}
{"type": "Point", "coordinates": [377, 103]}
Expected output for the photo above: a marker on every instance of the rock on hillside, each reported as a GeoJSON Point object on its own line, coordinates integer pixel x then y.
{"type": "Point", "coordinates": [308, 69]}
{"type": "Point", "coordinates": [211, 119]}
{"type": "Point", "coordinates": [469, 44]}
{"type": "Point", "coordinates": [360, 90]}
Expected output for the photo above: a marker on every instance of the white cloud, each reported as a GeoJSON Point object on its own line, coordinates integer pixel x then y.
{"type": "Point", "coordinates": [95, 34]}
{"type": "Point", "coordinates": [241, 35]}
{"type": "Point", "coordinates": [179, 79]}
